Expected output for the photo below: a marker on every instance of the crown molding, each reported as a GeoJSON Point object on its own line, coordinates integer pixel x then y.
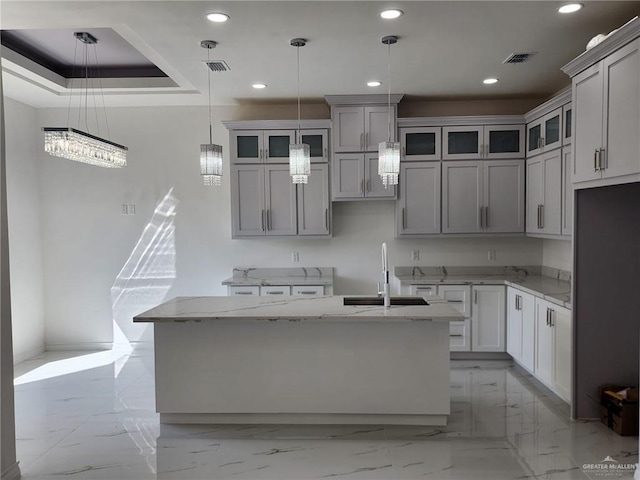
{"type": "Point", "coordinates": [369, 99]}
{"type": "Point", "coordinates": [276, 124]}
{"type": "Point", "coordinates": [558, 101]}
{"type": "Point", "coordinates": [461, 121]}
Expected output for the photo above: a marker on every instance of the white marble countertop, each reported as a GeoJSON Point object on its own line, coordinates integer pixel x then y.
{"type": "Point", "coordinates": [552, 289]}
{"type": "Point", "coordinates": [293, 309]}
{"type": "Point", "coordinates": [281, 276]}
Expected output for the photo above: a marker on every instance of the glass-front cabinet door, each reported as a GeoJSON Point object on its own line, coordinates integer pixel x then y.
{"type": "Point", "coordinates": [420, 143]}
{"type": "Point", "coordinates": [247, 146]}
{"type": "Point", "coordinates": [318, 141]}
{"type": "Point", "coordinates": [276, 144]}
{"type": "Point", "coordinates": [553, 130]}
{"type": "Point", "coordinates": [534, 138]}
{"type": "Point", "coordinates": [503, 141]}
{"type": "Point", "coordinates": [460, 143]}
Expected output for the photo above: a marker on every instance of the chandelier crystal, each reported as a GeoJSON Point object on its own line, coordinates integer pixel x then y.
{"type": "Point", "coordinates": [389, 152]}
{"type": "Point", "coordinates": [76, 145]}
{"type": "Point", "coordinates": [210, 153]}
{"type": "Point", "coordinates": [299, 153]}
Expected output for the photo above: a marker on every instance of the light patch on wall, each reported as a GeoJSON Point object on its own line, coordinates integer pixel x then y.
{"type": "Point", "coordinates": [148, 273]}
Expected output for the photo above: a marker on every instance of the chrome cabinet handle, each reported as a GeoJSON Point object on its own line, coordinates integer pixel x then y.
{"type": "Point", "coordinates": [486, 217]}
{"type": "Point", "coordinates": [552, 322]}
{"type": "Point", "coordinates": [276, 293]}
{"type": "Point", "coordinates": [361, 138]}
{"type": "Point", "coordinates": [368, 186]}
{"type": "Point", "coordinates": [326, 219]}
{"type": "Point", "coordinates": [456, 336]}
{"type": "Point", "coordinates": [325, 152]}
{"type": "Point", "coordinates": [475, 296]}
{"type": "Point", "coordinates": [262, 224]}
{"type": "Point", "coordinates": [268, 220]}
{"type": "Point", "coordinates": [455, 301]}
{"type": "Point", "coordinates": [480, 214]}
{"type": "Point", "coordinates": [260, 154]}
{"type": "Point", "coordinates": [601, 164]}
{"type": "Point", "coordinates": [307, 292]}
{"type": "Point", "coordinates": [541, 216]}
{"type": "Point", "coordinates": [243, 293]}
{"type": "Point", "coordinates": [404, 220]}
{"type": "Point", "coordinates": [595, 159]}
{"type": "Point", "coordinates": [366, 139]}
{"type": "Point", "coordinates": [362, 186]}
{"type": "Point", "coordinates": [404, 152]}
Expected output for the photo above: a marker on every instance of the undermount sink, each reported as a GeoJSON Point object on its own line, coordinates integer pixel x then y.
{"type": "Point", "coordinates": [380, 301]}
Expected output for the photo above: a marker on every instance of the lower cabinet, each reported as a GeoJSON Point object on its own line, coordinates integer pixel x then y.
{"type": "Point", "coordinates": [275, 290]}
{"type": "Point", "coordinates": [488, 318]}
{"type": "Point", "coordinates": [458, 296]}
{"type": "Point", "coordinates": [553, 352]}
{"type": "Point", "coordinates": [521, 327]}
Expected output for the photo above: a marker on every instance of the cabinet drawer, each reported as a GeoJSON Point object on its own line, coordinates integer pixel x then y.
{"type": "Point", "coordinates": [281, 290]}
{"type": "Point", "coordinates": [244, 290]}
{"type": "Point", "coordinates": [459, 336]}
{"type": "Point", "coordinates": [423, 290]}
{"type": "Point", "coordinates": [307, 290]}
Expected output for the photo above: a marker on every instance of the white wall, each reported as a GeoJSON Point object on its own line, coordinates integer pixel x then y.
{"type": "Point", "coordinates": [557, 254]}
{"type": "Point", "coordinates": [25, 236]}
{"type": "Point", "coordinates": [86, 240]}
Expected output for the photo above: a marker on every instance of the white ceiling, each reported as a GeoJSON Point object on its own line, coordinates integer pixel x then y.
{"type": "Point", "coordinates": [444, 51]}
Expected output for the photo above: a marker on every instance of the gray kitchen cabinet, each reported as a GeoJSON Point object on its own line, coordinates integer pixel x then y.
{"type": "Point", "coordinates": [567, 122]}
{"type": "Point", "coordinates": [483, 196]}
{"type": "Point", "coordinates": [313, 202]}
{"type": "Point", "coordinates": [418, 205]}
{"type": "Point", "coordinates": [307, 290]}
{"type": "Point", "coordinates": [545, 133]}
{"type": "Point", "coordinates": [420, 143]}
{"type": "Point", "coordinates": [567, 191]}
{"type": "Point", "coordinates": [318, 141]}
{"type": "Point", "coordinates": [260, 146]}
{"type": "Point", "coordinates": [246, 290]}
{"type": "Point", "coordinates": [488, 141]}
{"type": "Point", "coordinates": [459, 297]}
{"type": "Point", "coordinates": [606, 103]}
{"type": "Point", "coordinates": [279, 290]}
{"type": "Point", "coordinates": [488, 321]}
{"type": "Point", "coordinates": [263, 201]}
{"type": "Point", "coordinates": [521, 327]}
{"type": "Point", "coordinates": [361, 128]}
{"type": "Point", "coordinates": [544, 193]}
{"type": "Point", "coordinates": [355, 177]}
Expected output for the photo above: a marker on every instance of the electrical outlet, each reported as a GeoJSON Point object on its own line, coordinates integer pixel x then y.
{"type": "Point", "coordinates": [132, 209]}
{"type": "Point", "coordinates": [491, 255]}
{"type": "Point", "coordinates": [415, 255]}
{"type": "Point", "coordinates": [124, 209]}
{"type": "Point", "coordinates": [295, 256]}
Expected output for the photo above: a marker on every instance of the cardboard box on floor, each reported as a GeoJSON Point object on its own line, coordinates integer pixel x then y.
{"type": "Point", "coordinates": [618, 413]}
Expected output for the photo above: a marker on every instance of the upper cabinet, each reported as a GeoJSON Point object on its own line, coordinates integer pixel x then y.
{"type": "Point", "coordinates": [544, 194]}
{"type": "Point", "coordinates": [545, 133]}
{"type": "Point", "coordinates": [362, 128]}
{"type": "Point", "coordinates": [420, 143]}
{"type": "Point", "coordinates": [355, 177]}
{"type": "Point", "coordinates": [257, 146]}
{"type": "Point", "coordinates": [606, 110]}
{"type": "Point", "coordinates": [567, 122]}
{"type": "Point", "coordinates": [318, 141]}
{"type": "Point", "coordinates": [418, 205]}
{"type": "Point", "coordinates": [477, 142]}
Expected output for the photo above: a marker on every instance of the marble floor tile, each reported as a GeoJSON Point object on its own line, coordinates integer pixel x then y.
{"type": "Point", "coordinates": [83, 417]}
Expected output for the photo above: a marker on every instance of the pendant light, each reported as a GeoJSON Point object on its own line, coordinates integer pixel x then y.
{"type": "Point", "coordinates": [210, 153]}
{"type": "Point", "coordinates": [299, 155]}
{"type": "Point", "coordinates": [74, 144]}
{"type": "Point", "coordinates": [389, 152]}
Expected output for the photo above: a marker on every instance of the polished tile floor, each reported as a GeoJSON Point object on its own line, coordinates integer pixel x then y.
{"type": "Point", "coordinates": [91, 416]}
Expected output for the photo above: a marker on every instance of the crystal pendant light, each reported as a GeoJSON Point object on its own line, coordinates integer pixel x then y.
{"type": "Point", "coordinates": [210, 153]}
{"type": "Point", "coordinates": [299, 154]}
{"type": "Point", "coordinates": [389, 152]}
{"type": "Point", "coordinates": [74, 144]}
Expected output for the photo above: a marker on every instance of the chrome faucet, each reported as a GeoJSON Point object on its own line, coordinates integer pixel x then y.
{"type": "Point", "coordinates": [385, 278]}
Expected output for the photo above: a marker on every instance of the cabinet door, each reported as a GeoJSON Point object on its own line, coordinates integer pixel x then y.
{"type": "Point", "coordinates": [378, 124]}
{"type": "Point", "coordinates": [567, 122]}
{"type": "Point", "coordinates": [247, 200]}
{"type": "Point", "coordinates": [528, 311]}
{"type": "Point", "coordinates": [622, 112]}
{"type": "Point", "coordinates": [561, 319]}
{"type": "Point", "coordinates": [423, 290]}
{"type": "Point", "coordinates": [420, 143]}
{"type": "Point", "coordinates": [347, 176]}
{"type": "Point", "coordinates": [459, 296]}
{"type": "Point", "coordinates": [503, 141]}
{"type": "Point", "coordinates": [462, 197]}
{"type": "Point", "coordinates": [276, 143]}
{"type": "Point", "coordinates": [313, 202]}
{"type": "Point", "coordinates": [348, 129]}
{"type": "Point", "coordinates": [461, 143]}
{"type": "Point", "coordinates": [280, 201]}
{"type": "Point", "coordinates": [247, 146]}
{"type": "Point", "coordinates": [504, 196]}
{"type": "Point", "coordinates": [587, 132]}
{"type": "Point", "coordinates": [373, 187]}
{"type": "Point", "coordinates": [488, 320]}
{"type": "Point", "coordinates": [460, 336]}
{"type": "Point", "coordinates": [418, 205]}
{"type": "Point", "coordinates": [318, 141]}
{"type": "Point", "coordinates": [535, 193]}
{"type": "Point", "coordinates": [514, 324]}
{"type": "Point", "coordinates": [567, 192]}
{"type": "Point", "coordinates": [552, 130]}
{"type": "Point", "coordinates": [545, 348]}
{"type": "Point", "coordinates": [534, 138]}
{"type": "Point", "coordinates": [552, 196]}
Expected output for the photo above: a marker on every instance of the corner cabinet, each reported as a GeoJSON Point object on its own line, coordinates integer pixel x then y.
{"type": "Point", "coordinates": [544, 193]}
{"type": "Point", "coordinates": [484, 141]}
{"type": "Point", "coordinates": [545, 133]}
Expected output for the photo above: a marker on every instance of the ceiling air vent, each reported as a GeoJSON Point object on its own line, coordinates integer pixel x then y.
{"type": "Point", "coordinates": [519, 57]}
{"type": "Point", "coordinates": [218, 66]}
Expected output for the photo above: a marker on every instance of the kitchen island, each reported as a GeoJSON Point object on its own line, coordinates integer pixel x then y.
{"type": "Point", "coordinates": [300, 360]}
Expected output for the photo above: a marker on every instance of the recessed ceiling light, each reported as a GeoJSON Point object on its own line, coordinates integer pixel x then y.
{"type": "Point", "coordinates": [217, 17]}
{"type": "Point", "coordinates": [391, 13]}
{"type": "Point", "coordinates": [490, 81]}
{"type": "Point", "coordinates": [570, 7]}
{"type": "Point", "coordinates": [374, 83]}
{"type": "Point", "coordinates": [259, 86]}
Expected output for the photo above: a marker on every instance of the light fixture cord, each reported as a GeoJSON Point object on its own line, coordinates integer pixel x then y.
{"type": "Point", "coordinates": [104, 105]}
{"type": "Point", "coordinates": [73, 74]}
{"type": "Point", "coordinates": [86, 86]}
{"type": "Point", "coordinates": [298, 54]}
{"type": "Point", "coordinates": [209, 90]}
{"type": "Point", "coordinates": [389, 92]}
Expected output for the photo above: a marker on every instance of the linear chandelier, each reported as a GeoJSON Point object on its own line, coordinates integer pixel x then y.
{"type": "Point", "coordinates": [210, 153]}
{"type": "Point", "coordinates": [76, 145]}
{"type": "Point", "coordinates": [299, 153]}
{"type": "Point", "coordinates": [389, 152]}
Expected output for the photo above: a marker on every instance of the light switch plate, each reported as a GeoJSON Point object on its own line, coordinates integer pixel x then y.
{"type": "Point", "coordinates": [415, 255]}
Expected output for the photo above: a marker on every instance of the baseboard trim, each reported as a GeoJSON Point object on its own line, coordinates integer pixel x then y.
{"type": "Point", "coordinates": [21, 357]}
{"type": "Point", "coordinates": [12, 473]}
{"type": "Point", "coordinates": [60, 347]}
{"type": "Point", "coordinates": [303, 419]}
{"type": "Point", "coordinates": [480, 356]}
